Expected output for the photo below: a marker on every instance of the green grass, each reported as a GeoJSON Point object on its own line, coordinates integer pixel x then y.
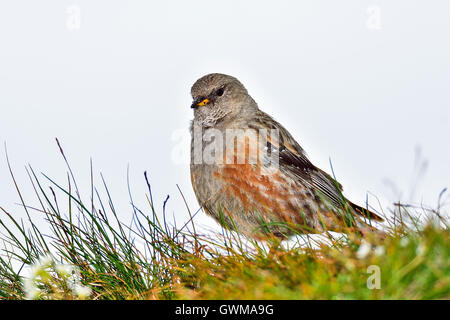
{"type": "Point", "coordinates": [89, 247]}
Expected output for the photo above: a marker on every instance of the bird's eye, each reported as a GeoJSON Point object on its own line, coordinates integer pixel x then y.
{"type": "Point", "coordinates": [219, 92]}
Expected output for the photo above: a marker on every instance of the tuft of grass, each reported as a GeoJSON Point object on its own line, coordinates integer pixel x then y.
{"type": "Point", "coordinates": [409, 267]}
{"type": "Point", "coordinates": [90, 253]}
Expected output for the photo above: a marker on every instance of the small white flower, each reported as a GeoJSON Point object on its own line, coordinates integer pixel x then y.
{"type": "Point", "coordinates": [31, 291]}
{"type": "Point", "coordinates": [420, 250]}
{"type": "Point", "coordinates": [45, 261]}
{"type": "Point", "coordinates": [28, 284]}
{"type": "Point", "coordinates": [64, 270]}
{"type": "Point", "coordinates": [404, 242]}
{"type": "Point", "coordinates": [363, 250]}
{"type": "Point", "coordinates": [32, 294]}
{"type": "Point", "coordinates": [379, 250]}
{"type": "Point", "coordinates": [82, 292]}
{"type": "Point", "coordinates": [34, 271]}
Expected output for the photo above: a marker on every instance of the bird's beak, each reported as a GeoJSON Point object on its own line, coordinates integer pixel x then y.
{"type": "Point", "coordinates": [199, 102]}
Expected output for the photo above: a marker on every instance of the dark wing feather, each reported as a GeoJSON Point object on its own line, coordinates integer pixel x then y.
{"type": "Point", "coordinates": [322, 183]}
{"type": "Point", "coordinates": [299, 165]}
{"type": "Point", "coordinates": [294, 160]}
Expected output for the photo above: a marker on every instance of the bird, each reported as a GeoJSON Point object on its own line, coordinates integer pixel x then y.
{"type": "Point", "coordinates": [251, 175]}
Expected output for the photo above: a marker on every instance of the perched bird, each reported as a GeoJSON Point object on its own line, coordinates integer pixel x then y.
{"type": "Point", "coordinates": [250, 174]}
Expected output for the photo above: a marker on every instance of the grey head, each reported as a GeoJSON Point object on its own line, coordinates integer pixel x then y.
{"type": "Point", "coordinates": [218, 98]}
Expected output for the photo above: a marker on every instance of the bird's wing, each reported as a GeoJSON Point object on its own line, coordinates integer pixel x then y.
{"type": "Point", "coordinates": [294, 161]}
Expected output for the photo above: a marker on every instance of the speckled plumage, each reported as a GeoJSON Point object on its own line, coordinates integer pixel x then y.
{"type": "Point", "coordinates": [254, 195]}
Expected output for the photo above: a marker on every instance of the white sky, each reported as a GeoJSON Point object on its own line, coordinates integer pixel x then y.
{"type": "Point", "coordinates": [363, 91]}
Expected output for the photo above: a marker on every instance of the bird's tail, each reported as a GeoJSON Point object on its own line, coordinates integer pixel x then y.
{"type": "Point", "coordinates": [365, 212]}
{"type": "Point", "coordinates": [364, 228]}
